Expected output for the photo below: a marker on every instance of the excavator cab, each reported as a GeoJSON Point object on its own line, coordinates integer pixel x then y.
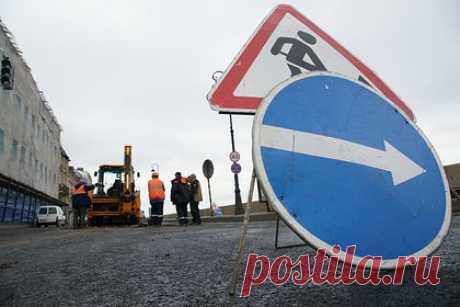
{"type": "Point", "coordinates": [116, 200]}
{"type": "Point", "coordinates": [110, 180]}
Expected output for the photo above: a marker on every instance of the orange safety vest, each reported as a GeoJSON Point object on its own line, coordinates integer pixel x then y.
{"type": "Point", "coordinates": [79, 190]}
{"type": "Point", "coordinates": [156, 189]}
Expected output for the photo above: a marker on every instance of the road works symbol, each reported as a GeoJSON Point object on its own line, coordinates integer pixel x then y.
{"type": "Point", "coordinates": [286, 44]}
{"type": "Point", "coordinates": [344, 166]}
{"type": "Point", "coordinates": [298, 50]}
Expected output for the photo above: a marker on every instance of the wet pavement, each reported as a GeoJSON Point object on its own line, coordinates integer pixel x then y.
{"type": "Point", "coordinates": [181, 266]}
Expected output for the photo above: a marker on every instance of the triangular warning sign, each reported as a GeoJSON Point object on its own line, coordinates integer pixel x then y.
{"type": "Point", "coordinates": [284, 45]}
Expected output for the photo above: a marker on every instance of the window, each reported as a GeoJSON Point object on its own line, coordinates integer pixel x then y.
{"type": "Point", "coordinates": [14, 150]}
{"type": "Point", "coordinates": [52, 210]}
{"type": "Point", "coordinates": [26, 112]}
{"type": "Point", "coordinates": [22, 159]}
{"type": "Point", "coordinates": [18, 103]}
{"type": "Point", "coordinates": [2, 142]}
{"type": "Point", "coordinates": [43, 211]}
{"type": "Point", "coordinates": [33, 121]}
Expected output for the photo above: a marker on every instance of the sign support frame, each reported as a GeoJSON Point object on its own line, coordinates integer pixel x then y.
{"type": "Point", "coordinates": [278, 218]}
{"type": "Point", "coordinates": [242, 242]}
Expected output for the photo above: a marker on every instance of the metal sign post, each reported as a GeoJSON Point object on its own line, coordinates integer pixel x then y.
{"type": "Point", "coordinates": [238, 202]}
{"type": "Point", "coordinates": [210, 197]}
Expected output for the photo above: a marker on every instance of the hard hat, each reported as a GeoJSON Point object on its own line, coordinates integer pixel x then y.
{"type": "Point", "coordinates": [192, 177]}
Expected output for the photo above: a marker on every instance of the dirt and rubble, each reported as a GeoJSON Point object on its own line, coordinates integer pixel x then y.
{"type": "Point", "coordinates": [181, 266]}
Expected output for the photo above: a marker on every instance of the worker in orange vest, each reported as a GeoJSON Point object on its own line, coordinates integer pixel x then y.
{"type": "Point", "coordinates": [157, 198]}
{"type": "Point", "coordinates": [80, 203]}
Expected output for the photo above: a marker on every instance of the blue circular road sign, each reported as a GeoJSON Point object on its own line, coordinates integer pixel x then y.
{"type": "Point", "coordinates": [343, 165]}
{"type": "Point", "coordinates": [236, 168]}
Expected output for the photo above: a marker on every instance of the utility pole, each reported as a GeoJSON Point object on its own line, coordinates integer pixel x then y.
{"type": "Point", "coordinates": [238, 202]}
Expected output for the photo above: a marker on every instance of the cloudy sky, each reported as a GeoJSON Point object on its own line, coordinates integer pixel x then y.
{"type": "Point", "coordinates": [137, 72]}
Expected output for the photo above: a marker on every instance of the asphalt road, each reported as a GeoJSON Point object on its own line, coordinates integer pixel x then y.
{"type": "Point", "coordinates": [174, 266]}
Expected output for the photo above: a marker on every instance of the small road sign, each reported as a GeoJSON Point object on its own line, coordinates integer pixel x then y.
{"type": "Point", "coordinates": [236, 168]}
{"type": "Point", "coordinates": [287, 44]}
{"type": "Point", "coordinates": [208, 171]}
{"type": "Point", "coordinates": [234, 156]}
{"type": "Point", "coordinates": [208, 168]}
{"type": "Point", "coordinates": [343, 165]}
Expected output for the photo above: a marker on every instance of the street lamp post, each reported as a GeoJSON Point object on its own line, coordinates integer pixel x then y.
{"type": "Point", "coordinates": [238, 202]}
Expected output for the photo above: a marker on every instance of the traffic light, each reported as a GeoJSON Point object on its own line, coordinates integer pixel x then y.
{"type": "Point", "coordinates": [6, 78]}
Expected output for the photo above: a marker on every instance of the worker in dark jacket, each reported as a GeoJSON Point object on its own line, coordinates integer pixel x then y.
{"type": "Point", "coordinates": [80, 203]}
{"type": "Point", "coordinates": [195, 198]}
{"type": "Point", "coordinates": [180, 196]}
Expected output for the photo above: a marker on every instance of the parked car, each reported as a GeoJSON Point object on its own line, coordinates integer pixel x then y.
{"type": "Point", "coordinates": [50, 215]}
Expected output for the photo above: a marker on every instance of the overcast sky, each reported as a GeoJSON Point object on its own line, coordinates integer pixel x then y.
{"type": "Point", "coordinates": [137, 72]}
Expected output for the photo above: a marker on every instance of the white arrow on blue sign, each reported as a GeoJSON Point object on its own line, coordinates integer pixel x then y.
{"type": "Point", "coordinates": [343, 165]}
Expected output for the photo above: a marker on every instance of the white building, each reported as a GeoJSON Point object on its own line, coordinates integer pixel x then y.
{"type": "Point", "coordinates": [29, 132]}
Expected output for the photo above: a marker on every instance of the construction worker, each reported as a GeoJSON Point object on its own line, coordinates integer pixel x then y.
{"type": "Point", "coordinates": [157, 198]}
{"type": "Point", "coordinates": [180, 196]}
{"type": "Point", "coordinates": [80, 203]}
{"type": "Point", "coordinates": [195, 198]}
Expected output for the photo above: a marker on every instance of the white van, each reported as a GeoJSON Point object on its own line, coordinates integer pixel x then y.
{"type": "Point", "coordinates": [50, 215]}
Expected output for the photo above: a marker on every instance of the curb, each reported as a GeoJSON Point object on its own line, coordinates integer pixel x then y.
{"type": "Point", "coordinates": [266, 216]}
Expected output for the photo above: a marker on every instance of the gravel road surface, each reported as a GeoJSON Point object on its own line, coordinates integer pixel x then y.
{"type": "Point", "coordinates": [181, 266]}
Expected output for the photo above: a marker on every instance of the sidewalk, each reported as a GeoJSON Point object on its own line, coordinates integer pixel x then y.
{"type": "Point", "coordinates": [258, 216]}
{"type": "Point", "coordinates": [15, 226]}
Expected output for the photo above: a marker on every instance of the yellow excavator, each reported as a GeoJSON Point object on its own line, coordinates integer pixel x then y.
{"type": "Point", "coordinates": [116, 200]}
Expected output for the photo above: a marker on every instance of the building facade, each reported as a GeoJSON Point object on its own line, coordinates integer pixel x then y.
{"type": "Point", "coordinates": [30, 150]}
{"type": "Point", "coordinates": [64, 178]}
